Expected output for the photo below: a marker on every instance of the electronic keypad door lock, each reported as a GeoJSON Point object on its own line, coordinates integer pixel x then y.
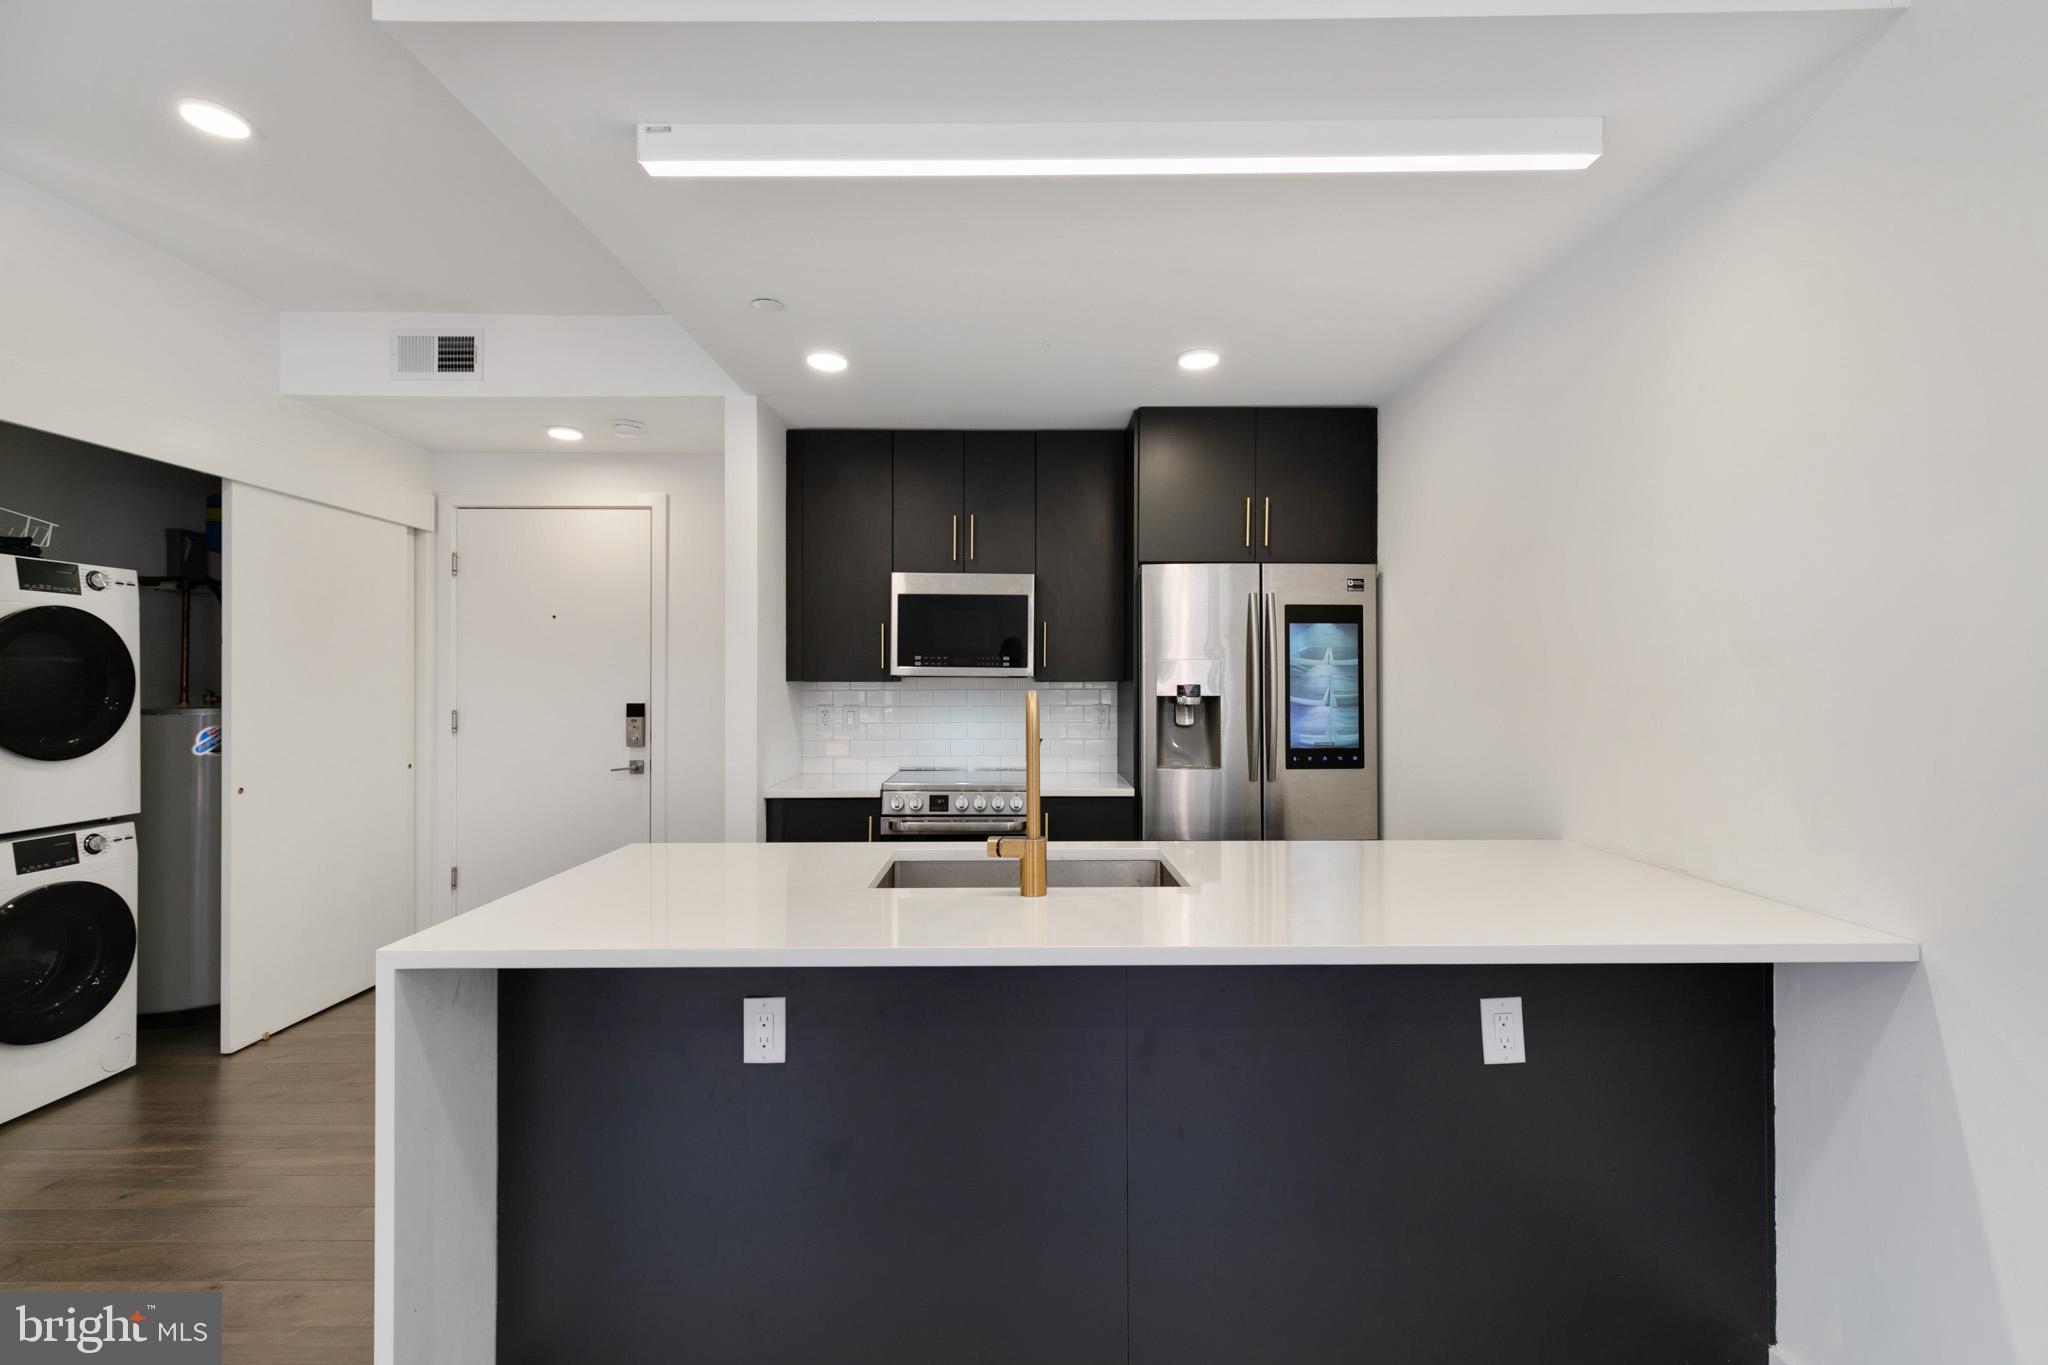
{"type": "Point", "coordinates": [636, 725]}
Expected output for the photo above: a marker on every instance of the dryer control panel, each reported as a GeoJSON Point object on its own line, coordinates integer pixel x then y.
{"type": "Point", "coordinates": [74, 846]}
{"type": "Point", "coordinates": [68, 580]}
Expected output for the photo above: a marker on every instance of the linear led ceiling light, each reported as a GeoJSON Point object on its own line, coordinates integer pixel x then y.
{"type": "Point", "coordinates": [757, 150]}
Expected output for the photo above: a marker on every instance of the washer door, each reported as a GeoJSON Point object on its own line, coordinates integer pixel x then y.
{"type": "Point", "coordinates": [67, 680]}
{"type": "Point", "coordinates": [65, 949]}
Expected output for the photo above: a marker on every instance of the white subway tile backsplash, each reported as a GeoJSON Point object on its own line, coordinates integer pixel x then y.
{"type": "Point", "coordinates": [874, 729]}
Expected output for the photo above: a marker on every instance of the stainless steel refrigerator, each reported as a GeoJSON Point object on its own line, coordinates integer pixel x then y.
{"type": "Point", "coordinates": [1258, 701]}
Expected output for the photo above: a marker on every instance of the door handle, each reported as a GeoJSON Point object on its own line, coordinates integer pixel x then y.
{"type": "Point", "coordinates": [883, 659]}
{"type": "Point", "coordinates": [1266, 535]}
{"type": "Point", "coordinates": [1277, 665]}
{"type": "Point", "coordinates": [954, 555]}
{"type": "Point", "coordinates": [1247, 523]}
{"type": "Point", "coordinates": [1045, 644]}
{"type": "Point", "coordinates": [970, 536]}
{"type": "Point", "coordinates": [1255, 670]}
{"type": "Point", "coordinates": [636, 767]}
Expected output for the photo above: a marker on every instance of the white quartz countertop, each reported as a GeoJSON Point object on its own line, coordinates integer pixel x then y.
{"type": "Point", "coordinates": [1279, 903]}
{"type": "Point", "coordinates": [856, 788]}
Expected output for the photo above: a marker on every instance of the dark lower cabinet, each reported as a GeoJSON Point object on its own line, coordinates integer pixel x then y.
{"type": "Point", "coordinates": [1090, 817]}
{"type": "Point", "coordinates": [1084, 559]}
{"type": "Point", "coordinates": [935, 1176]}
{"type": "Point", "coordinates": [1153, 1165]}
{"type": "Point", "coordinates": [844, 820]}
{"type": "Point", "coordinates": [821, 820]}
{"type": "Point", "coordinates": [1324, 1173]}
{"type": "Point", "coordinates": [840, 520]}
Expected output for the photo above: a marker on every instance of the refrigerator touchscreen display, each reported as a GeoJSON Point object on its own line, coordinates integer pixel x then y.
{"type": "Point", "coordinates": [1325, 717]}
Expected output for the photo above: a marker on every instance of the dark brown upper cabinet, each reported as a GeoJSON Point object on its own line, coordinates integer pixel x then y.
{"type": "Point", "coordinates": [1277, 485]}
{"type": "Point", "coordinates": [1000, 503]}
{"type": "Point", "coordinates": [840, 521]}
{"type": "Point", "coordinates": [1196, 477]}
{"type": "Point", "coordinates": [930, 501]}
{"type": "Point", "coordinates": [1318, 485]}
{"type": "Point", "coordinates": [1084, 562]}
{"type": "Point", "coordinates": [963, 502]}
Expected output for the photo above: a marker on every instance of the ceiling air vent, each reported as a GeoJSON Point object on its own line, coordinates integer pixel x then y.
{"type": "Point", "coordinates": [436, 355]}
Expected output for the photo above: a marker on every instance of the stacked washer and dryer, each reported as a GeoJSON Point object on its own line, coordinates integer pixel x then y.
{"type": "Point", "coordinates": [70, 787]}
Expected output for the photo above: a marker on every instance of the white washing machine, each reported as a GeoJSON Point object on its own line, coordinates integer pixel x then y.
{"type": "Point", "coordinates": [70, 729]}
{"type": "Point", "coordinates": [67, 963]}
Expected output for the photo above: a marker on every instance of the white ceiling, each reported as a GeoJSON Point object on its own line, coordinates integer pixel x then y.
{"type": "Point", "coordinates": [367, 186]}
{"type": "Point", "coordinates": [1063, 302]}
{"type": "Point", "coordinates": [518, 426]}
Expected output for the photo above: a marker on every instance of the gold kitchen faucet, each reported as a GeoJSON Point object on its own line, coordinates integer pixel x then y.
{"type": "Point", "coordinates": [1029, 849]}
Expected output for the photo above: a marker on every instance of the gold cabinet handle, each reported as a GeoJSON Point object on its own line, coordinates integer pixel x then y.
{"type": "Point", "coordinates": [884, 659]}
{"type": "Point", "coordinates": [1247, 523]}
{"type": "Point", "coordinates": [970, 535]}
{"type": "Point", "coordinates": [1045, 647]}
{"type": "Point", "coordinates": [954, 556]}
{"type": "Point", "coordinates": [871, 829]}
{"type": "Point", "coordinates": [1266, 535]}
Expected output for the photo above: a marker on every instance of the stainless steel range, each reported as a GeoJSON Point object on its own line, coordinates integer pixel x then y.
{"type": "Point", "coordinates": [952, 803]}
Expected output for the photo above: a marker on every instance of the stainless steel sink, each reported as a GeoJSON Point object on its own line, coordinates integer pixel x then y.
{"type": "Point", "coordinates": [906, 873]}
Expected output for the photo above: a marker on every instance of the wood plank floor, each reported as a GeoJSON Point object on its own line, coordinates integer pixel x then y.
{"type": "Point", "coordinates": [250, 1174]}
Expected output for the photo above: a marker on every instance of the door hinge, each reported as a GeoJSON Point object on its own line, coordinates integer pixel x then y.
{"type": "Point", "coordinates": [454, 722]}
{"type": "Point", "coordinates": [454, 877]}
{"type": "Point", "coordinates": [454, 563]}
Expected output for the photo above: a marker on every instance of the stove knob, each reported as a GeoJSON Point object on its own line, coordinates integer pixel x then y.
{"type": "Point", "coordinates": [895, 803]}
{"type": "Point", "coordinates": [95, 843]}
{"type": "Point", "coordinates": [96, 580]}
{"type": "Point", "coordinates": [981, 803]}
{"type": "Point", "coordinates": [1016, 803]}
{"type": "Point", "coordinates": [916, 803]}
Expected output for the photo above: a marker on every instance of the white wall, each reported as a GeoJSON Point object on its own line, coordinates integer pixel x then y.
{"type": "Point", "coordinates": [1723, 549]}
{"type": "Point", "coordinates": [762, 744]}
{"type": "Point", "coordinates": [691, 727]}
{"type": "Point", "coordinates": [104, 338]}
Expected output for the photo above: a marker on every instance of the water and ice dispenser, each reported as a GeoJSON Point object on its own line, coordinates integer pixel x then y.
{"type": "Point", "coordinates": [1190, 720]}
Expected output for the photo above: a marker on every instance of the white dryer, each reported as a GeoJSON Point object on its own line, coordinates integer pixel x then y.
{"type": "Point", "coordinates": [67, 963]}
{"type": "Point", "coordinates": [70, 729]}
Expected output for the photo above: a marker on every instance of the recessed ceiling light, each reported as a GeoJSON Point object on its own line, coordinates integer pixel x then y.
{"type": "Point", "coordinates": [565, 433]}
{"type": "Point", "coordinates": [1329, 147]}
{"type": "Point", "coordinates": [1201, 358]}
{"type": "Point", "coordinates": [217, 119]}
{"type": "Point", "coordinates": [831, 362]}
{"type": "Point", "coordinates": [767, 305]}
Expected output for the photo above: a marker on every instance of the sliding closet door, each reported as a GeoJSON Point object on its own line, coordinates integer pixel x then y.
{"type": "Point", "coordinates": [317, 846]}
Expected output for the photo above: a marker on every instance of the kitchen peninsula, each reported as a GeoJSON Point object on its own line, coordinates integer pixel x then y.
{"type": "Point", "coordinates": [1237, 1115]}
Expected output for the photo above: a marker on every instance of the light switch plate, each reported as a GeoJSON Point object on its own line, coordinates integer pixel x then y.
{"type": "Point", "coordinates": [763, 1030]}
{"type": "Point", "coordinates": [1500, 1027]}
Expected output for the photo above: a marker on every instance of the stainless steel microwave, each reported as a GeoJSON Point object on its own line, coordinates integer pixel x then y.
{"type": "Point", "coordinates": [961, 625]}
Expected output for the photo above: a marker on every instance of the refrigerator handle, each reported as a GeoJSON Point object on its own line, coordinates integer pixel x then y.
{"type": "Point", "coordinates": [1255, 709]}
{"type": "Point", "coordinates": [1276, 687]}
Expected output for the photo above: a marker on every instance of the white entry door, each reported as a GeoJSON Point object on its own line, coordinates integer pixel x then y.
{"type": "Point", "coordinates": [554, 634]}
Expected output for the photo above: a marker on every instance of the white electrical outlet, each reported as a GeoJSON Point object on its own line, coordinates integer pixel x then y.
{"type": "Point", "coordinates": [763, 1033]}
{"type": "Point", "coordinates": [1500, 1027]}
